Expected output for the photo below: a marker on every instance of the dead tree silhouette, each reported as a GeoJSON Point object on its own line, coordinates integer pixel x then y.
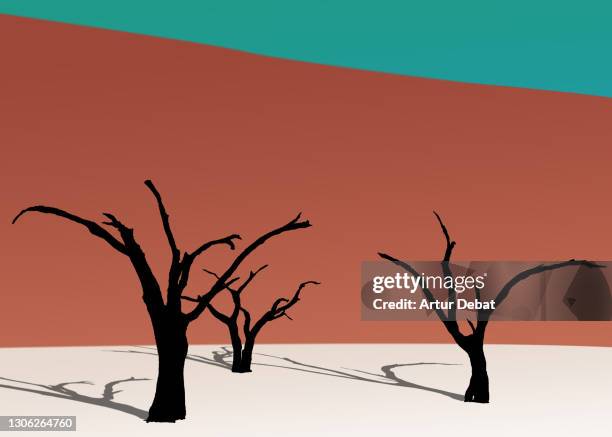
{"type": "Point", "coordinates": [62, 391]}
{"type": "Point", "coordinates": [243, 352]}
{"type": "Point", "coordinates": [169, 322]}
{"type": "Point", "coordinates": [473, 343]}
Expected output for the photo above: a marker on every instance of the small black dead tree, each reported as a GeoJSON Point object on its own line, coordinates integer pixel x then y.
{"type": "Point", "coordinates": [473, 343]}
{"type": "Point", "coordinates": [169, 321]}
{"type": "Point", "coordinates": [242, 353]}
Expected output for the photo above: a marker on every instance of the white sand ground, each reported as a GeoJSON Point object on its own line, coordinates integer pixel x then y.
{"type": "Point", "coordinates": [535, 390]}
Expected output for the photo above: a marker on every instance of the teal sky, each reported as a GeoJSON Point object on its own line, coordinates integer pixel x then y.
{"type": "Point", "coordinates": [542, 44]}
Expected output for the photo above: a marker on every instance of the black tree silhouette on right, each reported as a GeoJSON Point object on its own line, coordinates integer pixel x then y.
{"type": "Point", "coordinates": [243, 353]}
{"type": "Point", "coordinates": [472, 344]}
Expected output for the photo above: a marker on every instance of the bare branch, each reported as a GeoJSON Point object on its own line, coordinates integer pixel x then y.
{"type": "Point", "coordinates": [292, 225]}
{"type": "Point", "coordinates": [189, 258]}
{"type": "Point", "coordinates": [449, 243]}
{"type": "Point", "coordinates": [203, 301]}
{"type": "Point", "coordinates": [152, 294]}
{"type": "Point", "coordinates": [92, 227]}
{"type": "Point", "coordinates": [166, 223]}
{"type": "Point", "coordinates": [179, 270]}
{"type": "Point", "coordinates": [219, 315]}
{"type": "Point", "coordinates": [231, 281]}
{"type": "Point", "coordinates": [221, 281]}
{"type": "Point", "coordinates": [295, 299]}
{"type": "Point", "coordinates": [123, 229]}
{"type": "Point", "coordinates": [240, 289]}
{"type": "Point", "coordinates": [191, 299]}
{"type": "Point", "coordinates": [216, 275]}
{"type": "Point", "coordinates": [175, 267]}
{"type": "Point", "coordinates": [280, 307]}
{"type": "Point", "coordinates": [274, 310]}
{"type": "Point", "coordinates": [225, 240]}
{"type": "Point", "coordinates": [252, 275]}
{"type": "Point", "coordinates": [446, 269]}
{"type": "Point", "coordinates": [428, 294]}
{"type": "Point", "coordinates": [503, 293]}
{"type": "Point", "coordinates": [204, 297]}
{"type": "Point", "coordinates": [129, 247]}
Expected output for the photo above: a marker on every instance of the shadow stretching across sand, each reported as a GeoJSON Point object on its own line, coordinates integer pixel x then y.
{"type": "Point", "coordinates": [62, 391]}
{"type": "Point", "coordinates": [387, 375]}
{"type": "Point", "coordinates": [217, 360]}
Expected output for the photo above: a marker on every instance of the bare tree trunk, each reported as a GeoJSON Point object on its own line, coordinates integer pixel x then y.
{"type": "Point", "coordinates": [247, 355]}
{"type": "Point", "coordinates": [478, 390]}
{"type": "Point", "coordinates": [171, 339]}
{"type": "Point", "coordinates": [236, 349]}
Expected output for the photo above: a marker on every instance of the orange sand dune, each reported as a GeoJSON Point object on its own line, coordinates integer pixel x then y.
{"type": "Point", "coordinates": [241, 143]}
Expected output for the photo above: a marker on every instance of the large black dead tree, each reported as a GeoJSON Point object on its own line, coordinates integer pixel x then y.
{"type": "Point", "coordinates": [169, 321]}
{"type": "Point", "coordinates": [242, 352]}
{"type": "Point", "coordinates": [473, 343]}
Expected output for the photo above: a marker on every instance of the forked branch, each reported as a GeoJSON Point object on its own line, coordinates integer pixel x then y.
{"type": "Point", "coordinates": [189, 258]}
{"type": "Point", "coordinates": [279, 309]}
{"type": "Point", "coordinates": [223, 280]}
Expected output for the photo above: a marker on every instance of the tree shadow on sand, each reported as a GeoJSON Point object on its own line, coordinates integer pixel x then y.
{"type": "Point", "coordinates": [61, 391]}
{"type": "Point", "coordinates": [217, 360]}
{"type": "Point", "coordinates": [387, 375]}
